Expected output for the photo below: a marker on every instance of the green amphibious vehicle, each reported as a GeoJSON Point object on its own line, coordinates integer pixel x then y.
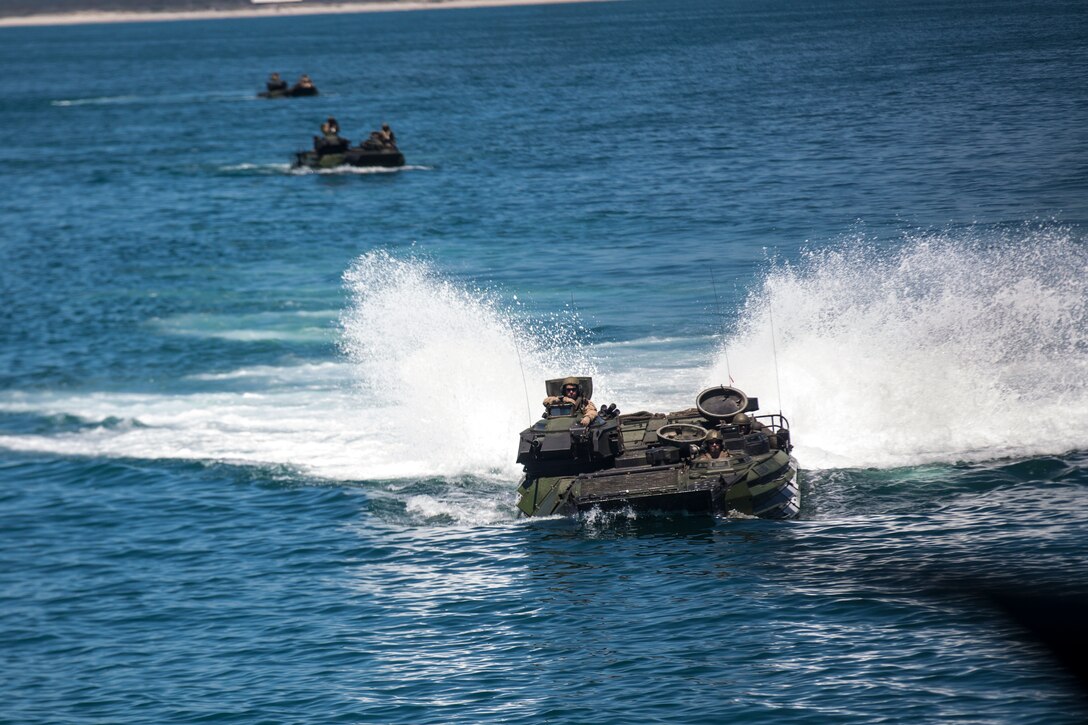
{"type": "Point", "coordinates": [656, 461]}
{"type": "Point", "coordinates": [330, 159]}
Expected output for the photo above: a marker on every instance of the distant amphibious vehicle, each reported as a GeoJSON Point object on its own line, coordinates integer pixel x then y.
{"type": "Point", "coordinates": [357, 156]}
{"type": "Point", "coordinates": [657, 462]}
{"type": "Point", "coordinates": [332, 150]}
{"type": "Point", "coordinates": [277, 87]}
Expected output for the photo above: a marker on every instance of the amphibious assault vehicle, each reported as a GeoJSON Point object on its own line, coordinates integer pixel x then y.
{"type": "Point", "coordinates": [654, 461]}
{"type": "Point", "coordinates": [344, 156]}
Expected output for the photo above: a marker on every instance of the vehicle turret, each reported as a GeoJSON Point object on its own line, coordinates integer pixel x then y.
{"type": "Point", "coordinates": [559, 440]}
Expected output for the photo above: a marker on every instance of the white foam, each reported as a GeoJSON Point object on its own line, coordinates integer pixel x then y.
{"type": "Point", "coordinates": [280, 168]}
{"type": "Point", "coordinates": [268, 375]}
{"type": "Point", "coordinates": [308, 427]}
{"type": "Point", "coordinates": [170, 98]}
{"type": "Point", "coordinates": [288, 326]}
{"type": "Point", "coordinates": [291, 169]}
{"type": "Point", "coordinates": [947, 349]}
{"type": "Point", "coordinates": [100, 101]}
{"type": "Point", "coordinates": [475, 511]}
{"type": "Point", "coordinates": [357, 170]}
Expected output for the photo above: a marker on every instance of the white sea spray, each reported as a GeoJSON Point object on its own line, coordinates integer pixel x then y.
{"type": "Point", "coordinates": [950, 347]}
{"type": "Point", "coordinates": [452, 371]}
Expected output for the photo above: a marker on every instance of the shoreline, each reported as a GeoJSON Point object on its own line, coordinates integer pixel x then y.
{"type": "Point", "coordinates": [263, 11]}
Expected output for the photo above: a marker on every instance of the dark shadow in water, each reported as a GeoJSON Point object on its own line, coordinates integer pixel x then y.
{"type": "Point", "coordinates": [1046, 607]}
{"type": "Point", "coordinates": [1056, 622]}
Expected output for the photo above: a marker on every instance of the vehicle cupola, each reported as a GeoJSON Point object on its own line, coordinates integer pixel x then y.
{"type": "Point", "coordinates": [721, 403]}
{"type": "Point", "coordinates": [585, 384]}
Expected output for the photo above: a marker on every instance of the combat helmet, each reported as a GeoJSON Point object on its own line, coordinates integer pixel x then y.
{"type": "Point", "coordinates": [741, 419]}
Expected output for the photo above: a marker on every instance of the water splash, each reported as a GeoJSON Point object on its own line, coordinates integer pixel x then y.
{"type": "Point", "coordinates": [454, 373]}
{"type": "Point", "coordinates": [953, 347]}
{"type": "Point", "coordinates": [432, 388]}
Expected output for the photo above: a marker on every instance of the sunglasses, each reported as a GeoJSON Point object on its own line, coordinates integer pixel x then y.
{"type": "Point", "coordinates": [570, 390]}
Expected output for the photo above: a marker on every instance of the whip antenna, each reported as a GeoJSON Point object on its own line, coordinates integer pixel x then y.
{"type": "Point", "coordinates": [774, 350]}
{"type": "Point", "coordinates": [524, 385]}
{"type": "Point", "coordinates": [721, 320]}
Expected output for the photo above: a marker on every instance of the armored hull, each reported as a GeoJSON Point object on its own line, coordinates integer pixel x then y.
{"type": "Point", "coordinates": [289, 93]}
{"type": "Point", "coordinates": [654, 461]}
{"type": "Point", "coordinates": [390, 158]}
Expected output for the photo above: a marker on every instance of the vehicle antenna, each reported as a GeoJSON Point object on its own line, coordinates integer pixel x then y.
{"type": "Point", "coordinates": [774, 350]}
{"type": "Point", "coordinates": [721, 321]}
{"type": "Point", "coordinates": [524, 385]}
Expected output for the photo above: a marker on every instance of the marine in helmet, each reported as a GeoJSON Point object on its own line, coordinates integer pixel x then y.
{"type": "Point", "coordinates": [713, 447]}
{"type": "Point", "coordinates": [388, 138]}
{"type": "Point", "coordinates": [330, 141]}
{"type": "Point", "coordinates": [275, 83]}
{"type": "Point", "coordinates": [572, 395]}
{"type": "Point", "coordinates": [746, 424]}
{"type": "Point", "coordinates": [380, 140]}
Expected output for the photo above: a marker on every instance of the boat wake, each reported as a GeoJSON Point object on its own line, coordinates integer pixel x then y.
{"type": "Point", "coordinates": [256, 169]}
{"type": "Point", "coordinates": [296, 326]}
{"type": "Point", "coordinates": [290, 170]}
{"type": "Point", "coordinates": [179, 98]}
{"type": "Point", "coordinates": [357, 170]}
{"type": "Point", "coordinates": [101, 101]}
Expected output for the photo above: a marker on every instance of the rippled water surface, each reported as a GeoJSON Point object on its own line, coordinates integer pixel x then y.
{"type": "Point", "coordinates": [257, 426]}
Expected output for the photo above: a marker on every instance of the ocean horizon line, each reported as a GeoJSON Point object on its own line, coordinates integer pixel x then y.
{"type": "Point", "coordinates": [263, 10]}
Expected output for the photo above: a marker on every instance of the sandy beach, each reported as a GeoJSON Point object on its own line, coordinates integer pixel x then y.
{"type": "Point", "coordinates": [263, 11]}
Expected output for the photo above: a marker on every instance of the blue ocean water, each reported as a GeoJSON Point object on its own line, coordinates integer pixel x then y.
{"type": "Point", "coordinates": [257, 426]}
